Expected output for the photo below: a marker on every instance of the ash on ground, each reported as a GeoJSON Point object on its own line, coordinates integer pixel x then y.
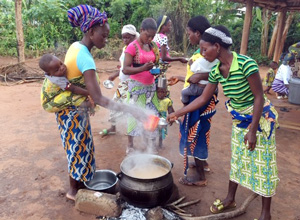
{"type": "Point", "coordinates": [134, 213]}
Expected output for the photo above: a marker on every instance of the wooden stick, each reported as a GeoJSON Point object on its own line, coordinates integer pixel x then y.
{"type": "Point", "coordinates": [227, 215]}
{"type": "Point", "coordinates": [177, 201]}
{"type": "Point", "coordinates": [183, 214]}
{"type": "Point", "coordinates": [188, 203]}
{"type": "Point", "coordinates": [175, 207]}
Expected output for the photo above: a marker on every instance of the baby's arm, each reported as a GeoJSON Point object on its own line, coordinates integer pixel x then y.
{"type": "Point", "coordinates": [76, 89]}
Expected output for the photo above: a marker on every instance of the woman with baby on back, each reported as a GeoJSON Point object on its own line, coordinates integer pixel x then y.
{"type": "Point", "coordinates": [74, 126]}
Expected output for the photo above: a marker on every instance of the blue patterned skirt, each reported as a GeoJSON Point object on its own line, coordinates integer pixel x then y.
{"type": "Point", "coordinates": [77, 140]}
{"type": "Point", "coordinates": [195, 132]}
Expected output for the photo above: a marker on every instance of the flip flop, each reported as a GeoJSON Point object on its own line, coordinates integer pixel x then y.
{"type": "Point", "coordinates": [218, 206]}
{"type": "Point", "coordinates": [105, 132]}
{"type": "Point", "coordinates": [185, 181]}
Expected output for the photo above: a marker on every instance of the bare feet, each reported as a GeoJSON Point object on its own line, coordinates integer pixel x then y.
{"type": "Point", "coordinates": [71, 195]}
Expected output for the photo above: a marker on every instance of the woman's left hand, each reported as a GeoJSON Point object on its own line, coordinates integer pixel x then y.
{"type": "Point", "coordinates": [250, 137]}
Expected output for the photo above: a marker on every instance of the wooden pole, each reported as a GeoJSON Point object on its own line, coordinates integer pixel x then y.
{"type": "Point", "coordinates": [281, 24]}
{"type": "Point", "coordinates": [246, 27]}
{"type": "Point", "coordinates": [265, 33]}
{"type": "Point", "coordinates": [273, 39]}
{"type": "Point", "coordinates": [286, 30]}
{"type": "Point", "coordinates": [19, 31]}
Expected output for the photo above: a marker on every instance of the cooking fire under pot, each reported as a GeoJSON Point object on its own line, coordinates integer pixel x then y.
{"type": "Point", "coordinates": [146, 180]}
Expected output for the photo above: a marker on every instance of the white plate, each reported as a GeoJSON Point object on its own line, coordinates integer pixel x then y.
{"type": "Point", "coordinates": [108, 84]}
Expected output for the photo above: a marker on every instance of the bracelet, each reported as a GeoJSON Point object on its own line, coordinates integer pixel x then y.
{"type": "Point", "coordinates": [68, 86]}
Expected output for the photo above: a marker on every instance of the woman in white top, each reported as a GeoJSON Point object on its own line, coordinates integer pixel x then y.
{"type": "Point", "coordinates": [284, 73]}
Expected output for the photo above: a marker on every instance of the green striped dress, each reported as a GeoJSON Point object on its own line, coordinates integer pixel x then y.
{"type": "Point", "coordinates": [255, 170]}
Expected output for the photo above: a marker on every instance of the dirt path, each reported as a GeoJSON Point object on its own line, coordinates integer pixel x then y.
{"type": "Point", "coordinates": [33, 167]}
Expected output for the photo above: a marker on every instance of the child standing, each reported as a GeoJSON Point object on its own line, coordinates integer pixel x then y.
{"type": "Point", "coordinates": [165, 108]}
{"type": "Point", "coordinates": [269, 78]}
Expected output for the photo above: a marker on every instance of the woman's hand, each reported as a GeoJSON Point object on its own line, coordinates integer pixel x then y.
{"type": "Point", "coordinates": [250, 137]}
{"type": "Point", "coordinates": [171, 117]}
{"type": "Point", "coordinates": [172, 80]}
{"type": "Point", "coordinates": [148, 66]}
{"type": "Point", "coordinates": [183, 60]}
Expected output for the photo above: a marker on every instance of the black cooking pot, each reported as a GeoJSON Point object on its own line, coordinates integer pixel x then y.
{"type": "Point", "coordinates": [147, 191]}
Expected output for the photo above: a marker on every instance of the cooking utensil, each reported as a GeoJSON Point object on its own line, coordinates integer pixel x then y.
{"type": "Point", "coordinates": [151, 123]}
{"type": "Point", "coordinates": [103, 181]}
{"type": "Point", "coordinates": [162, 123]}
{"type": "Point", "coordinates": [162, 82]}
{"type": "Point", "coordinates": [145, 192]}
{"type": "Point", "coordinates": [108, 84]}
{"type": "Point", "coordinates": [155, 70]}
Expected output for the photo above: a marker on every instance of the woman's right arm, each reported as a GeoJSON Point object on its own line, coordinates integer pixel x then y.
{"type": "Point", "coordinates": [128, 69]}
{"type": "Point", "coordinates": [196, 104]}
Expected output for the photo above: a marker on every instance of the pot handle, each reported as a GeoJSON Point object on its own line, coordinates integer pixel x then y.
{"type": "Point", "coordinates": [172, 165]}
{"type": "Point", "coordinates": [119, 175]}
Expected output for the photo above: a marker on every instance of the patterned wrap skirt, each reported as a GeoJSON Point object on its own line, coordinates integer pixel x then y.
{"type": "Point", "coordinates": [145, 97]}
{"type": "Point", "coordinates": [77, 140]}
{"type": "Point", "coordinates": [257, 169]}
{"type": "Point", "coordinates": [195, 132]}
{"type": "Point", "coordinates": [279, 87]}
{"type": "Point", "coordinates": [120, 96]}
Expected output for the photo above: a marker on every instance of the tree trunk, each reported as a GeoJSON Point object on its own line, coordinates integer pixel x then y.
{"type": "Point", "coordinates": [19, 31]}
{"type": "Point", "coordinates": [246, 27]}
{"type": "Point", "coordinates": [273, 39]}
{"type": "Point", "coordinates": [286, 29]}
{"type": "Point", "coordinates": [281, 25]}
{"type": "Point", "coordinates": [264, 37]}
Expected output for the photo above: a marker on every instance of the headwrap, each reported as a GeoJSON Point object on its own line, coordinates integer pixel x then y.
{"type": "Point", "coordinates": [219, 34]}
{"type": "Point", "coordinates": [163, 21]}
{"type": "Point", "coordinates": [288, 58]}
{"type": "Point", "coordinates": [130, 29]}
{"type": "Point", "coordinates": [295, 49]}
{"type": "Point", "coordinates": [85, 16]}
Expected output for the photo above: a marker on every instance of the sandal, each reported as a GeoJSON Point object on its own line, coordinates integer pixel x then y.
{"type": "Point", "coordinates": [218, 206]}
{"type": "Point", "coordinates": [105, 132]}
{"type": "Point", "coordinates": [185, 181]}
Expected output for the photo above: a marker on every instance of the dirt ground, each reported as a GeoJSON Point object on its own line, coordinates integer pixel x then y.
{"type": "Point", "coordinates": [33, 164]}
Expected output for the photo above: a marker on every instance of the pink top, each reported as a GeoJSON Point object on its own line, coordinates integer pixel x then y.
{"type": "Point", "coordinates": [141, 57]}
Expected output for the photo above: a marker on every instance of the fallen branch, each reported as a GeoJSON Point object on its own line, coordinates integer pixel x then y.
{"type": "Point", "coordinates": [227, 215]}
{"type": "Point", "coordinates": [177, 201]}
{"type": "Point", "coordinates": [182, 214]}
{"type": "Point", "coordinates": [188, 203]}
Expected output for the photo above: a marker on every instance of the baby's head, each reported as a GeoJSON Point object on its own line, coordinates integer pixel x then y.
{"type": "Point", "coordinates": [161, 92]}
{"type": "Point", "coordinates": [273, 65]}
{"type": "Point", "coordinates": [52, 66]}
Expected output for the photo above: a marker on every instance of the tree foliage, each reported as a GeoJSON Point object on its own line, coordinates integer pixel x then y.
{"type": "Point", "coordinates": [46, 25]}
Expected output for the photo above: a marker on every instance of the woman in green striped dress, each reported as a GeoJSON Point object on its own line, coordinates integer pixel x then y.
{"type": "Point", "coordinates": [253, 157]}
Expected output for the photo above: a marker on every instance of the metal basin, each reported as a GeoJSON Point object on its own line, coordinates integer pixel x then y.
{"type": "Point", "coordinates": [103, 181]}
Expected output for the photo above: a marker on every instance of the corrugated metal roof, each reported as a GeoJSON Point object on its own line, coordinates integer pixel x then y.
{"type": "Point", "coordinates": [275, 5]}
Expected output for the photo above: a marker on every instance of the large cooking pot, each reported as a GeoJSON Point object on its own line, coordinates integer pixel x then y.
{"type": "Point", "coordinates": [146, 180]}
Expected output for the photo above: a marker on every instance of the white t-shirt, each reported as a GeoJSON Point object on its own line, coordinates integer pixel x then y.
{"type": "Point", "coordinates": [284, 73]}
{"type": "Point", "coordinates": [61, 81]}
{"type": "Point", "coordinates": [201, 65]}
{"type": "Point", "coordinates": [122, 76]}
